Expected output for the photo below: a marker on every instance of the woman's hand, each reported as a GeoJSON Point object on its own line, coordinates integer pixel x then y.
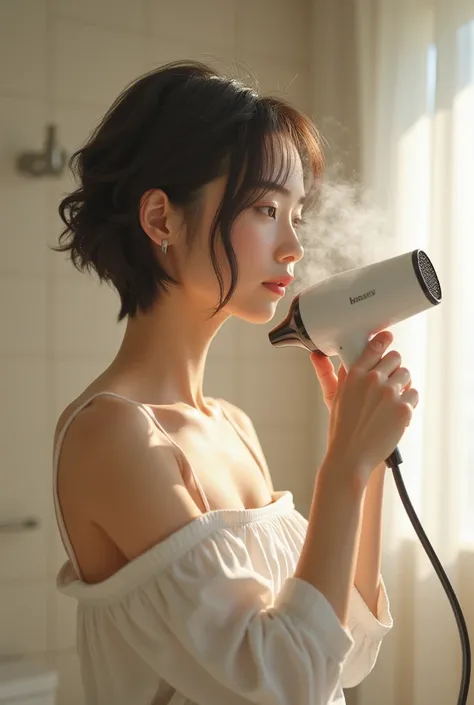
{"type": "Point", "coordinates": [328, 378]}
{"type": "Point", "coordinates": [370, 405]}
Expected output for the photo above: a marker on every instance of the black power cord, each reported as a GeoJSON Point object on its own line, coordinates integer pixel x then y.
{"type": "Point", "coordinates": [461, 622]}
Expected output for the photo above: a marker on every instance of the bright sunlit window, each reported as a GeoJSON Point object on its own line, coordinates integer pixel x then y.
{"type": "Point", "coordinates": [463, 213]}
{"type": "Point", "coordinates": [435, 200]}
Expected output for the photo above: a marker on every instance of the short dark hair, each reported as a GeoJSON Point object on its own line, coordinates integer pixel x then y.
{"type": "Point", "coordinates": [176, 128]}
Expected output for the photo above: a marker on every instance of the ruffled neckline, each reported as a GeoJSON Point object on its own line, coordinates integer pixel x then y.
{"type": "Point", "coordinates": [170, 549]}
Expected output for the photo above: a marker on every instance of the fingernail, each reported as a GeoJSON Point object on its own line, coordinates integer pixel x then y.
{"type": "Point", "coordinates": [379, 342]}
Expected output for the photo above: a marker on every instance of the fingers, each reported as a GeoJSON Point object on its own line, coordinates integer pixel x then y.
{"type": "Point", "coordinates": [389, 364]}
{"type": "Point", "coordinates": [388, 367]}
{"type": "Point", "coordinates": [411, 397]}
{"type": "Point", "coordinates": [341, 373]}
{"type": "Point", "coordinates": [374, 351]}
{"type": "Point", "coordinates": [398, 377]}
{"type": "Point", "coordinates": [324, 368]}
{"type": "Point", "coordinates": [326, 375]}
{"type": "Point", "coordinates": [322, 365]}
{"type": "Point", "coordinates": [401, 379]}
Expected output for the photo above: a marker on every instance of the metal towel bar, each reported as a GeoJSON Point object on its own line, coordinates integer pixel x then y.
{"type": "Point", "coordinates": [25, 524]}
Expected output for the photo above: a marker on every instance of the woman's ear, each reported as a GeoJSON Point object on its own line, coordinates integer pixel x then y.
{"type": "Point", "coordinates": [155, 214]}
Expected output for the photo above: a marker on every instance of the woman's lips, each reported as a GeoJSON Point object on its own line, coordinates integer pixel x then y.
{"type": "Point", "coordinates": [275, 288]}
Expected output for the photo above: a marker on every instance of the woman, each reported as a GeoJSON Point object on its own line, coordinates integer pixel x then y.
{"type": "Point", "coordinates": [195, 581]}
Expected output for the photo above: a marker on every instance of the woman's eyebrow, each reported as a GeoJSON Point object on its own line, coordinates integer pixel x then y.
{"type": "Point", "coordinates": [273, 186]}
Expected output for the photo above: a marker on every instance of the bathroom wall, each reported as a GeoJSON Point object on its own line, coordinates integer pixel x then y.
{"type": "Point", "coordinates": [65, 61]}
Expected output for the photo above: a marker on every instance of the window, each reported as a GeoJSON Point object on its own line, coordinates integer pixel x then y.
{"type": "Point", "coordinates": [463, 232]}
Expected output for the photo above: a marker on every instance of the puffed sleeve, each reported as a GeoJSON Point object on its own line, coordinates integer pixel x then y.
{"type": "Point", "coordinates": [367, 632]}
{"type": "Point", "coordinates": [209, 625]}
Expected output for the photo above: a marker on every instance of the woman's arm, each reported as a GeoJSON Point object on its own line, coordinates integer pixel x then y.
{"type": "Point", "coordinates": [369, 558]}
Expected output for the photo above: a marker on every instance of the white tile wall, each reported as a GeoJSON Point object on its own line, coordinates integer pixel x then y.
{"type": "Point", "coordinates": [277, 30]}
{"type": "Point", "coordinates": [24, 467]}
{"type": "Point", "coordinates": [160, 50]}
{"type": "Point", "coordinates": [92, 64]}
{"type": "Point", "coordinates": [71, 375]}
{"type": "Point", "coordinates": [75, 331]}
{"type": "Point", "coordinates": [65, 61]}
{"type": "Point", "coordinates": [23, 203]}
{"type": "Point", "coordinates": [23, 47]}
{"type": "Point", "coordinates": [110, 14]}
{"type": "Point", "coordinates": [214, 21]}
{"type": "Point", "coordinates": [23, 616]}
{"type": "Point", "coordinates": [270, 391]}
{"type": "Point", "coordinates": [23, 314]}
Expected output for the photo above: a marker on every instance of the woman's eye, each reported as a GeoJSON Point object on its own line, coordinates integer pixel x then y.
{"type": "Point", "coordinates": [298, 222]}
{"type": "Point", "coordinates": [271, 211]}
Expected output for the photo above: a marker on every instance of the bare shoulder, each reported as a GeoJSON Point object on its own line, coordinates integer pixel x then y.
{"type": "Point", "coordinates": [100, 421]}
{"type": "Point", "coordinates": [243, 421]}
{"type": "Point", "coordinates": [127, 473]}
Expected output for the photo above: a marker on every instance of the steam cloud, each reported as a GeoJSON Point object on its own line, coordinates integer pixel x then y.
{"type": "Point", "coordinates": [344, 229]}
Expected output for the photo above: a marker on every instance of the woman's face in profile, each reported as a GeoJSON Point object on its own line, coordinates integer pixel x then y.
{"type": "Point", "coordinates": [265, 240]}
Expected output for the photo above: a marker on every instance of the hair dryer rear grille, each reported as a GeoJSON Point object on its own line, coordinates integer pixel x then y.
{"type": "Point", "coordinates": [427, 276]}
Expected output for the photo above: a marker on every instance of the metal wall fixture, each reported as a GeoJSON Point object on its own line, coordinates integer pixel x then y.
{"type": "Point", "coordinates": [15, 525]}
{"type": "Point", "coordinates": [51, 161]}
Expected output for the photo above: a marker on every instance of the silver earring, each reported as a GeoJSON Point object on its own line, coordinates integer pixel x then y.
{"type": "Point", "coordinates": [164, 246]}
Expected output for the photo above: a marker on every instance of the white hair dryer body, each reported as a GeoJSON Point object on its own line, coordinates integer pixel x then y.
{"type": "Point", "coordinates": [340, 314]}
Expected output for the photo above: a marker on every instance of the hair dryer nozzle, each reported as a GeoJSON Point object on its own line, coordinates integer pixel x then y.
{"type": "Point", "coordinates": [427, 276]}
{"type": "Point", "coordinates": [291, 330]}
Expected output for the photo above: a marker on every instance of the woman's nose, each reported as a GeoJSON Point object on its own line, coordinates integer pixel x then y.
{"type": "Point", "coordinates": [290, 249]}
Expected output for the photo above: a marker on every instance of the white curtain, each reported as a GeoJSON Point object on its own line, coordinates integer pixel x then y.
{"type": "Point", "coordinates": [416, 96]}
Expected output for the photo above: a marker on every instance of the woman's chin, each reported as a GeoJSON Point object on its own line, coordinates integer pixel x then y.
{"type": "Point", "coordinates": [257, 314]}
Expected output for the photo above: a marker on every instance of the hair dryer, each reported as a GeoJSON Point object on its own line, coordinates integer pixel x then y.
{"type": "Point", "coordinates": [339, 315]}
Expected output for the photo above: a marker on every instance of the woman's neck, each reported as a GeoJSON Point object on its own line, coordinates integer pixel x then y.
{"type": "Point", "coordinates": [163, 353]}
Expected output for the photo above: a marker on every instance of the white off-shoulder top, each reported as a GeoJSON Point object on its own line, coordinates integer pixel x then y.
{"type": "Point", "coordinates": [213, 615]}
